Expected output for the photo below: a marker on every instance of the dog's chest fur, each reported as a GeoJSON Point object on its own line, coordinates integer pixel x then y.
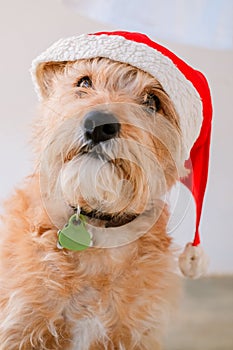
{"type": "Point", "coordinates": [94, 297]}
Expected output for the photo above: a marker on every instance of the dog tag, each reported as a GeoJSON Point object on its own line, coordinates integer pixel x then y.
{"type": "Point", "coordinates": [74, 235]}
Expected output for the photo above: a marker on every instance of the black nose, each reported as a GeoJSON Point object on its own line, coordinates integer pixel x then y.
{"type": "Point", "coordinates": [100, 126]}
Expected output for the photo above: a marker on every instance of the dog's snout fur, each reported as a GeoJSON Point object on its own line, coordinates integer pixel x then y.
{"type": "Point", "coordinates": [100, 126]}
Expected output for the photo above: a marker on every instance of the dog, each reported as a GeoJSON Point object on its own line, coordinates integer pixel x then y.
{"type": "Point", "coordinates": [107, 145]}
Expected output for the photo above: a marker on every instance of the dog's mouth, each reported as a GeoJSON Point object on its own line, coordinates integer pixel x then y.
{"type": "Point", "coordinates": [106, 219]}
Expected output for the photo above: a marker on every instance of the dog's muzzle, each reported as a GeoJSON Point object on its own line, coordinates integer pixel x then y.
{"type": "Point", "coordinates": [100, 126]}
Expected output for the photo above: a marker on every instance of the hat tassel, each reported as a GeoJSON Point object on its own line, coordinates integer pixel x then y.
{"type": "Point", "coordinates": [193, 262]}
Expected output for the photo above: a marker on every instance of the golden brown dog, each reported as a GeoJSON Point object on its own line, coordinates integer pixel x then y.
{"type": "Point", "coordinates": [107, 142]}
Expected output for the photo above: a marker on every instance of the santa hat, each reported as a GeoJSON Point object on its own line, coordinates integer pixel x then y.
{"type": "Point", "coordinates": [187, 88]}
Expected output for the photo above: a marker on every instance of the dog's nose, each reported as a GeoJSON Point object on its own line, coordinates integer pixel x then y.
{"type": "Point", "coordinates": [100, 126]}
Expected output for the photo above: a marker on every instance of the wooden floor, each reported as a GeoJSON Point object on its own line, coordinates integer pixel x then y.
{"type": "Point", "coordinates": [206, 318]}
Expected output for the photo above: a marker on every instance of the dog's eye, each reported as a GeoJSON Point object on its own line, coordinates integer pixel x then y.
{"type": "Point", "coordinates": [84, 82]}
{"type": "Point", "coordinates": [152, 102]}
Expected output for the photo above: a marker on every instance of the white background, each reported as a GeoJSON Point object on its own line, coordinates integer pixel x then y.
{"type": "Point", "coordinates": [28, 27]}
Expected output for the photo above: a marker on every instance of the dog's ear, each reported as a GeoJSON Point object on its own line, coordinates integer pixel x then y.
{"type": "Point", "coordinates": [45, 74]}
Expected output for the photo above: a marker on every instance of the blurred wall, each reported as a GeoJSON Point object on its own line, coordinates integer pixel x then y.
{"type": "Point", "coordinates": [27, 28]}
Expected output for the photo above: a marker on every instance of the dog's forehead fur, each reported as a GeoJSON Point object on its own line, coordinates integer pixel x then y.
{"type": "Point", "coordinates": [105, 73]}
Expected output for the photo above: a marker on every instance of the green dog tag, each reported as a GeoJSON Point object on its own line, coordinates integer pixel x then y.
{"type": "Point", "coordinates": [74, 235]}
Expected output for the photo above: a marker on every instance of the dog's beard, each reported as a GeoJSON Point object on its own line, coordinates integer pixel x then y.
{"type": "Point", "coordinates": [97, 183]}
{"type": "Point", "coordinates": [112, 177]}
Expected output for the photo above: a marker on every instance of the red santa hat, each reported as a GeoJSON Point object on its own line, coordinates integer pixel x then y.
{"type": "Point", "coordinates": [187, 88]}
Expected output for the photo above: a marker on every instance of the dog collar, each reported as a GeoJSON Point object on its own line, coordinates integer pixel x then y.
{"type": "Point", "coordinates": [111, 220]}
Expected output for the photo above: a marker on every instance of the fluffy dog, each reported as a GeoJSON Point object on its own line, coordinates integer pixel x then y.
{"type": "Point", "coordinates": [108, 142]}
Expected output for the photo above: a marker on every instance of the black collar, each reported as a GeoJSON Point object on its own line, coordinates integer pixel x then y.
{"type": "Point", "coordinates": [112, 220]}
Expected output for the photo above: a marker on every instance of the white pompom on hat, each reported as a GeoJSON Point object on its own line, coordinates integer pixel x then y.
{"type": "Point", "coordinates": [187, 88]}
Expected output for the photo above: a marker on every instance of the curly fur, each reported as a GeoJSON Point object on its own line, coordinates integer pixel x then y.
{"type": "Point", "coordinates": [98, 299]}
